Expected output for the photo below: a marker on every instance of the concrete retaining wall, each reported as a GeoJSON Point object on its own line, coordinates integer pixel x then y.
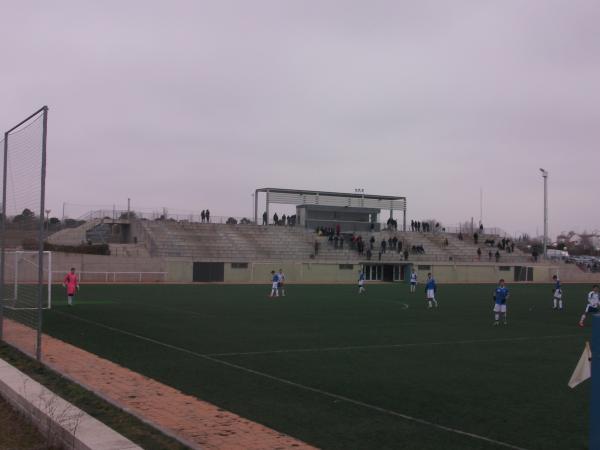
{"type": "Point", "coordinates": [180, 270]}
{"type": "Point", "coordinates": [56, 418]}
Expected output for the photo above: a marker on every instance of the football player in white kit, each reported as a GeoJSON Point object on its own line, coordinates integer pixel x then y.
{"type": "Point", "coordinates": [557, 293]}
{"type": "Point", "coordinates": [275, 285]}
{"type": "Point", "coordinates": [413, 281]}
{"type": "Point", "coordinates": [361, 282]}
{"type": "Point", "coordinates": [280, 285]}
{"type": "Point", "coordinates": [593, 299]}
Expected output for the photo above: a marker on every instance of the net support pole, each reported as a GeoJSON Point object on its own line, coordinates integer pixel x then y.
{"type": "Point", "coordinates": [595, 396]}
{"type": "Point", "coordinates": [38, 350]}
{"type": "Point", "coordinates": [3, 232]}
{"type": "Point", "coordinates": [49, 280]}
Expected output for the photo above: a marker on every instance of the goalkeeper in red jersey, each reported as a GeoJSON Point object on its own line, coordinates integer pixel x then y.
{"type": "Point", "coordinates": [71, 282]}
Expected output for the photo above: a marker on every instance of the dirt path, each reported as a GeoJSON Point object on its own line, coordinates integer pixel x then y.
{"type": "Point", "coordinates": [199, 424]}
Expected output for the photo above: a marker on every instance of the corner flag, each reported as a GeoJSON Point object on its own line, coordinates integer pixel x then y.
{"type": "Point", "coordinates": [583, 370]}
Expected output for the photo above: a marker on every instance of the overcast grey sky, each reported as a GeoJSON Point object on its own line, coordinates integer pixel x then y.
{"type": "Point", "coordinates": [191, 104]}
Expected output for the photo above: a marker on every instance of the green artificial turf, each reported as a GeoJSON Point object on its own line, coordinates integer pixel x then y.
{"type": "Point", "coordinates": [343, 371]}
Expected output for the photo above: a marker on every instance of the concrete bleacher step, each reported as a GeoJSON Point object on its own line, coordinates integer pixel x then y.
{"type": "Point", "coordinates": [251, 242]}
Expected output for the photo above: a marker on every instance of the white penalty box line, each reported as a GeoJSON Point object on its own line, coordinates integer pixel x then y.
{"type": "Point", "coordinates": [304, 387]}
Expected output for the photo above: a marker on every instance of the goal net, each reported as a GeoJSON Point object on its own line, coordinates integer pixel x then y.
{"type": "Point", "coordinates": [21, 288]}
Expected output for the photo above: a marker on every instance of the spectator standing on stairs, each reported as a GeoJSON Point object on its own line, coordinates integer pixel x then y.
{"type": "Point", "coordinates": [202, 216]}
{"type": "Point", "coordinates": [265, 218]}
{"type": "Point", "coordinates": [479, 253]}
{"type": "Point", "coordinates": [275, 219]}
{"type": "Point", "coordinates": [207, 216]}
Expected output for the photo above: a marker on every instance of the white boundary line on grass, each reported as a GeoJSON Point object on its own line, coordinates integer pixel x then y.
{"type": "Point", "coordinates": [301, 386]}
{"type": "Point", "coordinates": [383, 346]}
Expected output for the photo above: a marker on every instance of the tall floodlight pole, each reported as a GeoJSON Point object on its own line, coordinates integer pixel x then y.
{"type": "Point", "coordinates": [545, 175]}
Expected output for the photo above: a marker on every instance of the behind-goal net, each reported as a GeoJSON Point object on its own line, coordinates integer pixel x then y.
{"type": "Point", "coordinates": [23, 273]}
{"type": "Point", "coordinates": [21, 287]}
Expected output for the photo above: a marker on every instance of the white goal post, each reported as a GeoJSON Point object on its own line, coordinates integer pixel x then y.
{"type": "Point", "coordinates": [21, 266]}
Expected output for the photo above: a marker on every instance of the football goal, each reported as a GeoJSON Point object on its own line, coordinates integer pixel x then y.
{"type": "Point", "coordinates": [21, 280]}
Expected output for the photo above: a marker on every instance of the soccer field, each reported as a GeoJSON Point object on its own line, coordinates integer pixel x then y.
{"type": "Point", "coordinates": [343, 371]}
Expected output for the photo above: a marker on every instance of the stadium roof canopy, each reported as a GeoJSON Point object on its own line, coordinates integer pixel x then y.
{"type": "Point", "coordinates": [325, 198]}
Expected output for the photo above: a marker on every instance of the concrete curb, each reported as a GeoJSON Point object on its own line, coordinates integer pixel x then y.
{"type": "Point", "coordinates": [55, 417]}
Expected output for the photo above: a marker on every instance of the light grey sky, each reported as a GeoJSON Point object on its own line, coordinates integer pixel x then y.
{"type": "Point", "coordinates": [191, 104]}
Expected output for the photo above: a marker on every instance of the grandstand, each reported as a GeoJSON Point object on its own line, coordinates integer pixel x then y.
{"type": "Point", "coordinates": [182, 247]}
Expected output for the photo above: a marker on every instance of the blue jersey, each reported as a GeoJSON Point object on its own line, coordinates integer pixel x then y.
{"type": "Point", "coordinates": [361, 277]}
{"type": "Point", "coordinates": [430, 285]}
{"type": "Point", "coordinates": [276, 278]}
{"type": "Point", "coordinates": [500, 295]}
{"type": "Point", "coordinates": [557, 285]}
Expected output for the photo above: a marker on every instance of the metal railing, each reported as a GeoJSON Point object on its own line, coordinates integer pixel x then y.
{"type": "Point", "coordinates": [118, 214]}
{"type": "Point", "coordinates": [116, 277]}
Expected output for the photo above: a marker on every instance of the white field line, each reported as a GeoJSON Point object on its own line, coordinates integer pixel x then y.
{"type": "Point", "coordinates": [302, 386]}
{"type": "Point", "coordinates": [384, 346]}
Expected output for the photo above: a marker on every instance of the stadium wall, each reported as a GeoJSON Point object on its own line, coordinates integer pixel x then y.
{"type": "Point", "coordinates": [180, 270]}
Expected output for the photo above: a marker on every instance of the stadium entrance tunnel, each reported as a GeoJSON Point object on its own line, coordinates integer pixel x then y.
{"type": "Point", "coordinates": [385, 272]}
{"type": "Point", "coordinates": [209, 271]}
{"type": "Point", "coordinates": [388, 272]}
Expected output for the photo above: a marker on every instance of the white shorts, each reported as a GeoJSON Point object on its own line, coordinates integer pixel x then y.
{"type": "Point", "coordinates": [558, 294]}
{"type": "Point", "coordinates": [430, 293]}
{"type": "Point", "coordinates": [275, 285]}
{"type": "Point", "coordinates": [361, 283]}
{"type": "Point", "coordinates": [499, 308]}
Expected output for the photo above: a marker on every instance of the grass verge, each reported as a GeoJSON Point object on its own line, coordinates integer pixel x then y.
{"type": "Point", "coordinates": [129, 426]}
